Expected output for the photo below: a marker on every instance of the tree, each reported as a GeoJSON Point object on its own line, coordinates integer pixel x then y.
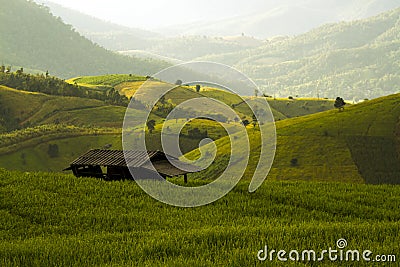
{"type": "Point", "coordinates": [339, 103]}
{"type": "Point", "coordinates": [256, 92]}
{"type": "Point", "coordinates": [255, 121]}
{"type": "Point", "coordinates": [178, 82]}
{"type": "Point", "coordinates": [20, 71]}
{"type": "Point", "coordinates": [294, 162]}
{"type": "Point", "coordinates": [198, 88]}
{"type": "Point", "coordinates": [151, 125]}
{"type": "Point", "coordinates": [245, 122]}
{"type": "Point", "coordinates": [3, 69]}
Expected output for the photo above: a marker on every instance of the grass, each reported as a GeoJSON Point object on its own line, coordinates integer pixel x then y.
{"type": "Point", "coordinates": [330, 146]}
{"type": "Point", "coordinates": [29, 137]}
{"type": "Point", "coordinates": [281, 108]}
{"type": "Point", "coordinates": [59, 220]}
{"type": "Point", "coordinates": [107, 80]}
{"type": "Point", "coordinates": [36, 157]}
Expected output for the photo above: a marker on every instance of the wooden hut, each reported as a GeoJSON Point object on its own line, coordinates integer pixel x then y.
{"type": "Point", "coordinates": [118, 165]}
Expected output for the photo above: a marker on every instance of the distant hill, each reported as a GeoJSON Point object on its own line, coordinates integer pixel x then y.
{"type": "Point", "coordinates": [33, 38]}
{"type": "Point", "coordinates": [286, 17]}
{"type": "Point", "coordinates": [356, 59]}
{"type": "Point", "coordinates": [109, 35]}
{"type": "Point", "coordinates": [146, 44]}
{"type": "Point", "coordinates": [190, 47]}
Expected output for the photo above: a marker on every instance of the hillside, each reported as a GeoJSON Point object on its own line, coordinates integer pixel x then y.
{"type": "Point", "coordinates": [109, 35]}
{"type": "Point", "coordinates": [47, 118]}
{"type": "Point", "coordinates": [146, 44]}
{"type": "Point", "coordinates": [266, 19]}
{"type": "Point", "coordinates": [281, 108]}
{"type": "Point", "coordinates": [360, 144]}
{"type": "Point", "coordinates": [356, 59]}
{"type": "Point", "coordinates": [327, 146]}
{"type": "Point", "coordinates": [33, 38]}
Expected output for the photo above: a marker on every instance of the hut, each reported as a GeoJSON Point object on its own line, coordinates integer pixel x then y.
{"type": "Point", "coordinates": [119, 165]}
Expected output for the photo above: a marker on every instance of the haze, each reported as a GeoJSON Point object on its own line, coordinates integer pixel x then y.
{"type": "Point", "coordinates": [154, 14]}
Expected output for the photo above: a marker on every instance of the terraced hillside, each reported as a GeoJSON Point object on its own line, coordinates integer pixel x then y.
{"type": "Point", "coordinates": [327, 146]}
{"type": "Point", "coordinates": [281, 108]}
{"type": "Point", "coordinates": [360, 144]}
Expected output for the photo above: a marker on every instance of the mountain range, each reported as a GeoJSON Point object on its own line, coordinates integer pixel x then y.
{"type": "Point", "coordinates": [358, 59]}
{"type": "Point", "coordinates": [31, 37]}
{"type": "Point", "coordinates": [286, 17]}
{"type": "Point", "coordinates": [265, 19]}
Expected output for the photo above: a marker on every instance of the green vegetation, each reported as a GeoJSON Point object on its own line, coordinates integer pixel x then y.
{"type": "Point", "coordinates": [356, 59]}
{"type": "Point", "coordinates": [25, 29]}
{"type": "Point", "coordinates": [34, 154]}
{"type": "Point", "coordinates": [60, 220]}
{"type": "Point", "coordinates": [344, 135]}
{"type": "Point", "coordinates": [330, 146]}
{"type": "Point", "coordinates": [281, 108]}
{"type": "Point", "coordinates": [107, 80]}
{"type": "Point", "coordinates": [55, 86]}
{"type": "Point", "coordinates": [47, 109]}
{"type": "Point", "coordinates": [190, 47]}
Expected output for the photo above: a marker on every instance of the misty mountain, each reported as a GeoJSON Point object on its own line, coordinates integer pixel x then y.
{"type": "Point", "coordinates": [107, 34]}
{"type": "Point", "coordinates": [32, 37]}
{"type": "Point", "coordinates": [358, 59]}
{"type": "Point", "coordinates": [145, 44]}
{"type": "Point", "coordinates": [286, 17]}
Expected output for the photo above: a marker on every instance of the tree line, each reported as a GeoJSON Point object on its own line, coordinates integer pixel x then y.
{"type": "Point", "coordinates": [44, 83]}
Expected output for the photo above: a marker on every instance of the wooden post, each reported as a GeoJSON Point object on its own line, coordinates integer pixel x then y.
{"type": "Point", "coordinates": [185, 178]}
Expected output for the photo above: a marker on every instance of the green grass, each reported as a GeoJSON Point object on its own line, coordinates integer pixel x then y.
{"type": "Point", "coordinates": [29, 137]}
{"type": "Point", "coordinates": [60, 220]}
{"type": "Point", "coordinates": [357, 145]}
{"type": "Point", "coordinates": [35, 156]}
{"type": "Point", "coordinates": [281, 108]}
{"type": "Point", "coordinates": [106, 82]}
{"type": "Point", "coordinates": [329, 145]}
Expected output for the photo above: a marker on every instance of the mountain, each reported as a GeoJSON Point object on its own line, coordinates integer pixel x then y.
{"type": "Point", "coordinates": [109, 35]}
{"type": "Point", "coordinates": [287, 17]}
{"type": "Point", "coordinates": [33, 38]}
{"type": "Point", "coordinates": [357, 59]}
{"type": "Point", "coordinates": [146, 44]}
{"type": "Point", "coordinates": [187, 48]}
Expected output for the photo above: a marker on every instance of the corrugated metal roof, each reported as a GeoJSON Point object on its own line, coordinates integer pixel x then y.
{"type": "Point", "coordinates": [135, 159]}
{"type": "Point", "coordinates": [116, 158]}
{"type": "Point", "coordinates": [165, 167]}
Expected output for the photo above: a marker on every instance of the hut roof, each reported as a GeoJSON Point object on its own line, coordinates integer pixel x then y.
{"type": "Point", "coordinates": [135, 159]}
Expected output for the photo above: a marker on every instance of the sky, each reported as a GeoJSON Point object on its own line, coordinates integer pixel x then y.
{"type": "Point", "coordinates": [153, 14]}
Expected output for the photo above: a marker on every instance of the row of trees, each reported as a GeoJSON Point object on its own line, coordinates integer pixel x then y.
{"type": "Point", "coordinates": [43, 83]}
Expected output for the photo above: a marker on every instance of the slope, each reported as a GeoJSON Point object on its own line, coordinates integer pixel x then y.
{"type": "Point", "coordinates": [281, 108]}
{"type": "Point", "coordinates": [35, 39]}
{"type": "Point", "coordinates": [354, 59]}
{"type": "Point", "coordinates": [106, 34]}
{"type": "Point", "coordinates": [46, 121]}
{"type": "Point", "coordinates": [145, 44]}
{"type": "Point", "coordinates": [360, 144]}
